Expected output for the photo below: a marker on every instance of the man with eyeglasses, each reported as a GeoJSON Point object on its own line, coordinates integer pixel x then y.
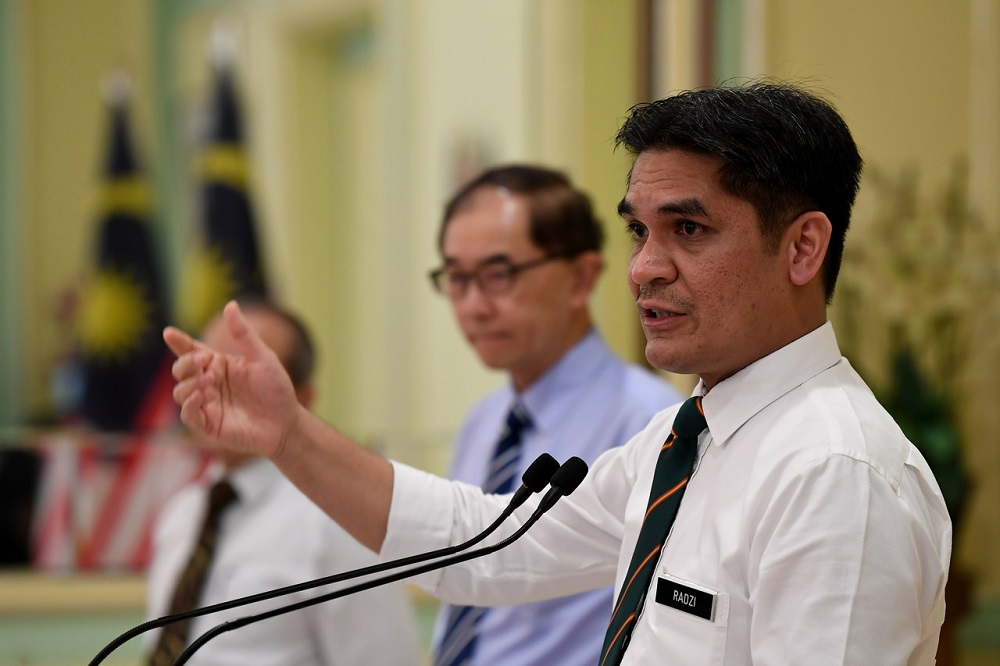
{"type": "Point", "coordinates": [521, 257]}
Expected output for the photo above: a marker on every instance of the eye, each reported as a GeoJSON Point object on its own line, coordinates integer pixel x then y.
{"type": "Point", "coordinates": [456, 279]}
{"type": "Point", "coordinates": [635, 230]}
{"type": "Point", "coordinates": [493, 277]}
{"type": "Point", "coordinates": [689, 228]}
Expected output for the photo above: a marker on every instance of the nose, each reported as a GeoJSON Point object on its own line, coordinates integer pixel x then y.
{"type": "Point", "coordinates": [649, 262]}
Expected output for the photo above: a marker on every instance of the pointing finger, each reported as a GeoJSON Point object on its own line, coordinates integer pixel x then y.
{"type": "Point", "coordinates": [179, 342]}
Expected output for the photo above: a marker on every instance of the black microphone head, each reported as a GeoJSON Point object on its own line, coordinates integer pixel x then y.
{"type": "Point", "coordinates": [539, 473]}
{"type": "Point", "coordinates": [569, 475]}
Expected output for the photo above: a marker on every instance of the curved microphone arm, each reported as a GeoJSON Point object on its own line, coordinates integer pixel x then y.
{"type": "Point", "coordinates": [564, 481]}
{"type": "Point", "coordinates": [535, 478]}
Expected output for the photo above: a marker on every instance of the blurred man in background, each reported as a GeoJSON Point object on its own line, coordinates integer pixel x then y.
{"type": "Point", "coordinates": [520, 248]}
{"type": "Point", "coordinates": [267, 535]}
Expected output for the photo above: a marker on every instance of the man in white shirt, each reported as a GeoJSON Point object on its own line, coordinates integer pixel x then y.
{"type": "Point", "coordinates": [272, 536]}
{"type": "Point", "coordinates": [810, 531]}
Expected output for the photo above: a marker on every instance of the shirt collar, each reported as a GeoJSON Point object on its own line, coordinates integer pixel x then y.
{"type": "Point", "coordinates": [735, 400]}
{"type": "Point", "coordinates": [252, 479]}
{"type": "Point", "coordinates": [550, 396]}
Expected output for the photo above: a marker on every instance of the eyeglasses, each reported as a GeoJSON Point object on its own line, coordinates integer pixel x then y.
{"type": "Point", "coordinates": [494, 278]}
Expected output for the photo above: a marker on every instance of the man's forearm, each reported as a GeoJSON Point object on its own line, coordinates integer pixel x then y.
{"type": "Point", "coordinates": [350, 483]}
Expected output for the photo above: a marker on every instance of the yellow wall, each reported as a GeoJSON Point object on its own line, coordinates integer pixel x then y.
{"type": "Point", "coordinates": [898, 71]}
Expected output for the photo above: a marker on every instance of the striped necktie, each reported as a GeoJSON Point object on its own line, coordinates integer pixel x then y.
{"type": "Point", "coordinates": [187, 593]}
{"type": "Point", "coordinates": [459, 640]}
{"type": "Point", "coordinates": [673, 469]}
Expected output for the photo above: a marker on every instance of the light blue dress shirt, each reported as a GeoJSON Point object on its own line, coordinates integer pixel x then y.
{"type": "Point", "coordinates": [588, 402]}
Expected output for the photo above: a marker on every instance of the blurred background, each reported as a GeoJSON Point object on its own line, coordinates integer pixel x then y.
{"type": "Point", "coordinates": [160, 156]}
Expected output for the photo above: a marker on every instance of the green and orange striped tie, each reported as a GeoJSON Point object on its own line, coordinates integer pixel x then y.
{"type": "Point", "coordinates": [673, 469]}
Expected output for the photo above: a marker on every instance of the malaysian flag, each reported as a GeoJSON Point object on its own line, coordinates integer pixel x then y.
{"type": "Point", "coordinates": [228, 263]}
{"type": "Point", "coordinates": [101, 485]}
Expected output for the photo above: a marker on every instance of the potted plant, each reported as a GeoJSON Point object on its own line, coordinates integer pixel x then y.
{"type": "Point", "coordinates": [917, 301]}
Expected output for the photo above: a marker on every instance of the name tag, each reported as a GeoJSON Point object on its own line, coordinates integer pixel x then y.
{"type": "Point", "coordinates": [686, 597]}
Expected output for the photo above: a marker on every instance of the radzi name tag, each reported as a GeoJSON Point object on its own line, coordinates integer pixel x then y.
{"type": "Point", "coordinates": [686, 597]}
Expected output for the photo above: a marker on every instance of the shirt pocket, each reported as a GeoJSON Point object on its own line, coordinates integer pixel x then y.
{"type": "Point", "coordinates": [685, 637]}
{"type": "Point", "coordinates": [250, 580]}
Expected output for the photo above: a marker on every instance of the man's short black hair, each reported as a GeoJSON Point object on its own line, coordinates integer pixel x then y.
{"type": "Point", "coordinates": [562, 219]}
{"type": "Point", "coordinates": [786, 151]}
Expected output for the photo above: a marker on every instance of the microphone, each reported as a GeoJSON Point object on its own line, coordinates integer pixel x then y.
{"type": "Point", "coordinates": [564, 481]}
{"type": "Point", "coordinates": [534, 479]}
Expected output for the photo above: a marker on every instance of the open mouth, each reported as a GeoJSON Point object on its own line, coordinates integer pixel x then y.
{"type": "Point", "coordinates": [658, 314]}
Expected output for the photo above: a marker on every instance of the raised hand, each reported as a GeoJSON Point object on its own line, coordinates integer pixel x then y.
{"type": "Point", "coordinates": [242, 403]}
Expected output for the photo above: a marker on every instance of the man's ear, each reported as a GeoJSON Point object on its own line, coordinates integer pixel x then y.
{"type": "Point", "coordinates": [587, 269]}
{"type": "Point", "coordinates": [806, 242]}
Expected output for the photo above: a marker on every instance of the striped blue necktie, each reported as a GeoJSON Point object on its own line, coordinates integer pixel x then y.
{"type": "Point", "coordinates": [459, 640]}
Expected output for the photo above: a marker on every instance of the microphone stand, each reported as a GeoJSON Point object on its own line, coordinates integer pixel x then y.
{"type": "Point", "coordinates": [535, 478]}
{"type": "Point", "coordinates": [564, 482]}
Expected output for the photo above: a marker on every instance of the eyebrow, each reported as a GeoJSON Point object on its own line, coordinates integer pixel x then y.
{"type": "Point", "coordinates": [689, 206]}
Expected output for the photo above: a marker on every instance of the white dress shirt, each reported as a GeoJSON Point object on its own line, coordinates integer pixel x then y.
{"type": "Point", "coordinates": [273, 536]}
{"type": "Point", "coordinates": [814, 525]}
